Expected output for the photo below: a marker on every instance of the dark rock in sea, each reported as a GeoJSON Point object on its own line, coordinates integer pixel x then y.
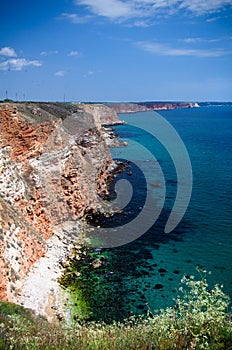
{"type": "Point", "coordinates": [176, 272]}
{"type": "Point", "coordinates": [145, 273]}
{"type": "Point", "coordinates": [158, 286]}
{"type": "Point", "coordinates": [148, 255]}
{"type": "Point", "coordinates": [162, 270]}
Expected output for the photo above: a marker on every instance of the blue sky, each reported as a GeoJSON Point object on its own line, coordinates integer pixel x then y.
{"type": "Point", "coordinates": [116, 50]}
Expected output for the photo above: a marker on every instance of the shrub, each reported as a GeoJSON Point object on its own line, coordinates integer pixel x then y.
{"type": "Point", "coordinates": [200, 320]}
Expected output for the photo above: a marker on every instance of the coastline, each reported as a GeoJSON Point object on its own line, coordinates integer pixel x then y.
{"type": "Point", "coordinates": [41, 204]}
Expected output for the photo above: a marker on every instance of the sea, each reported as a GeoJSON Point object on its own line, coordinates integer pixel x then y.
{"type": "Point", "coordinates": [143, 274]}
{"type": "Point", "coordinates": [150, 268]}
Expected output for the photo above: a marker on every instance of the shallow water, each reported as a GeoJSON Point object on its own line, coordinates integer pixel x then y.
{"type": "Point", "coordinates": [154, 264]}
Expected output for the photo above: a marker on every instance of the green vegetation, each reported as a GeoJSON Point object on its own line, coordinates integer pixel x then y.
{"type": "Point", "coordinates": [97, 294]}
{"type": "Point", "coordinates": [200, 320]}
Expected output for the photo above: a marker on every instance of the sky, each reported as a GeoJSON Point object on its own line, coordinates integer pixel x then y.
{"type": "Point", "coordinates": [116, 50]}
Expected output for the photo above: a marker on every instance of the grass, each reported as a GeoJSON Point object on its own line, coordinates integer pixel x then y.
{"type": "Point", "coordinates": [200, 320]}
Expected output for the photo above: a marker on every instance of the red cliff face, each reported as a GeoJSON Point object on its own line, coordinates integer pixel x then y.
{"type": "Point", "coordinates": [54, 164]}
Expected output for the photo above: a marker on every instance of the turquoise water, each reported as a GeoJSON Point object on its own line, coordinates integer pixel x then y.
{"type": "Point", "coordinates": [149, 269]}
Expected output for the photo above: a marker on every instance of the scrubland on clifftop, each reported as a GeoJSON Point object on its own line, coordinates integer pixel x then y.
{"type": "Point", "coordinates": [198, 321]}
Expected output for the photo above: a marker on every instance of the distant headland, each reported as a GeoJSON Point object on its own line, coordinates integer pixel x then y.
{"type": "Point", "coordinates": [149, 106]}
{"type": "Point", "coordinates": [132, 107]}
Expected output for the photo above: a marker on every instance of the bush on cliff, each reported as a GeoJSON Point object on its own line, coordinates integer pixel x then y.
{"type": "Point", "coordinates": [200, 320]}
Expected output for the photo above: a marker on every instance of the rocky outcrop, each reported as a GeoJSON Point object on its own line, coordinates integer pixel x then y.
{"type": "Point", "coordinates": [54, 166]}
{"type": "Point", "coordinates": [128, 107]}
{"type": "Point", "coordinates": [103, 115]}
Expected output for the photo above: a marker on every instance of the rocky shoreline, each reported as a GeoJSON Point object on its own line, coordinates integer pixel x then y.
{"type": "Point", "coordinates": [55, 165]}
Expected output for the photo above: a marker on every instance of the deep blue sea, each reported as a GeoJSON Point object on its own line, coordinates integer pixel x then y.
{"type": "Point", "coordinates": [150, 268]}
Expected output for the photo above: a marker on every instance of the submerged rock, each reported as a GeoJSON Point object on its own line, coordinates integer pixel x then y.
{"type": "Point", "coordinates": [96, 264]}
{"type": "Point", "coordinates": [158, 286]}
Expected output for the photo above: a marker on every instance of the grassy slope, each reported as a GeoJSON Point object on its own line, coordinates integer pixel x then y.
{"type": "Point", "coordinates": [199, 321]}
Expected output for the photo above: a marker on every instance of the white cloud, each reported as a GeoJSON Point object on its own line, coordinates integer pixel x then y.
{"type": "Point", "coordinates": [113, 9]}
{"type": "Point", "coordinates": [74, 18]}
{"type": "Point", "coordinates": [60, 73]}
{"type": "Point", "coordinates": [140, 23]}
{"type": "Point", "coordinates": [126, 9]}
{"type": "Point", "coordinates": [74, 53]}
{"type": "Point", "coordinates": [200, 40]}
{"type": "Point", "coordinates": [165, 50]}
{"type": "Point", "coordinates": [192, 40]}
{"type": "Point", "coordinates": [213, 19]}
{"type": "Point", "coordinates": [88, 74]}
{"type": "Point", "coordinates": [18, 64]}
{"type": "Point", "coordinates": [47, 53]}
{"type": "Point", "coordinates": [202, 7]}
{"type": "Point", "coordinates": [7, 62]}
{"type": "Point", "coordinates": [7, 52]}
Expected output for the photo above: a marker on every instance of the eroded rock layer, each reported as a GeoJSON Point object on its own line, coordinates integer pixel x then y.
{"type": "Point", "coordinates": [54, 166]}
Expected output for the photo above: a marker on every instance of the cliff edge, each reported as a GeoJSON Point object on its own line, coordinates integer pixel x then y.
{"type": "Point", "coordinates": [54, 166]}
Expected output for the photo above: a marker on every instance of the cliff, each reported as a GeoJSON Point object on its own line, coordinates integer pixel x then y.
{"type": "Point", "coordinates": [149, 106]}
{"type": "Point", "coordinates": [54, 166]}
